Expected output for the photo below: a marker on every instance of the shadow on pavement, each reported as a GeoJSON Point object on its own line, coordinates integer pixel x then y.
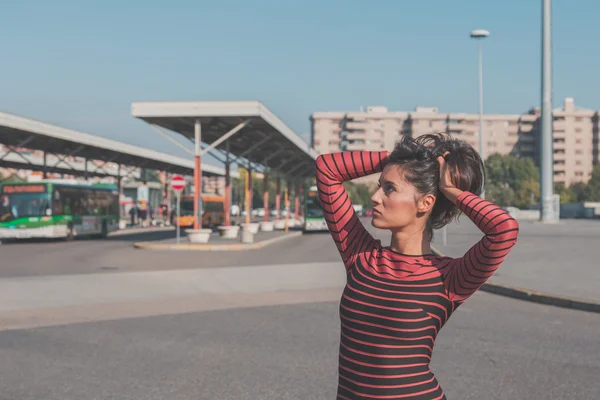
{"type": "Point", "coordinates": [143, 236]}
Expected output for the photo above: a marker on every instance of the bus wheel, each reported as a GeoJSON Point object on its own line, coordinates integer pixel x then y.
{"type": "Point", "coordinates": [70, 234]}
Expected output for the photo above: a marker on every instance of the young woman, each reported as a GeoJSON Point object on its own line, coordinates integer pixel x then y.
{"type": "Point", "coordinates": [397, 298]}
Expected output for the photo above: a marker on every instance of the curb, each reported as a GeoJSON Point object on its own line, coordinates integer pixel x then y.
{"type": "Point", "coordinates": [134, 231]}
{"type": "Point", "coordinates": [534, 296]}
{"type": "Point", "coordinates": [214, 247]}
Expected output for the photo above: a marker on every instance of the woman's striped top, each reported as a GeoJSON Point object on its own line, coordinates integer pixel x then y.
{"type": "Point", "coordinates": [394, 305]}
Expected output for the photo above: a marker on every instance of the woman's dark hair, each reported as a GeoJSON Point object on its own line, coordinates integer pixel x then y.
{"type": "Point", "coordinates": [417, 158]}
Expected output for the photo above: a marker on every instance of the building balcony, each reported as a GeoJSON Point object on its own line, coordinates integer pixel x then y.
{"type": "Point", "coordinates": [356, 125]}
{"type": "Point", "coordinates": [560, 125]}
{"type": "Point", "coordinates": [363, 147]}
{"type": "Point", "coordinates": [354, 136]}
{"type": "Point", "coordinates": [458, 126]}
{"type": "Point", "coordinates": [559, 134]}
{"type": "Point", "coordinates": [354, 146]}
{"type": "Point", "coordinates": [559, 156]}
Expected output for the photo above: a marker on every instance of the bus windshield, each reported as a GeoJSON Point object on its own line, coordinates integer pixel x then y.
{"type": "Point", "coordinates": [187, 208]}
{"type": "Point", "coordinates": [23, 205]}
{"type": "Point", "coordinates": [313, 207]}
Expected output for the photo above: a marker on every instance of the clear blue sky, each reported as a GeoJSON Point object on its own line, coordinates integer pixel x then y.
{"type": "Point", "coordinates": [80, 65]}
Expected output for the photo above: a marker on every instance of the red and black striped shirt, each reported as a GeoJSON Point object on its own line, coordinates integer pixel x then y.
{"type": "Point", "coordinates": [394, 304]}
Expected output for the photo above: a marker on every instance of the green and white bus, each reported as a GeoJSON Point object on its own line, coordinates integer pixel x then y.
{"type": "Point", "coordinates": [313, 214]}
{"type": "Point", "coordinates": [49, 209]}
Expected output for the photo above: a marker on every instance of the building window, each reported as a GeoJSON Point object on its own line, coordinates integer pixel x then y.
{"type": "Point", "coordinates": [578, 162]}
{"type": "Point", "coordinates": [578, 173]}
{"type": "Point", "coordinates": [577, 130]}
{"type": "Point", "coordinates": [578, 141]}
{"type": "Point", "coordinates": [578, 152]}
{"type": "Point", "coordinates": [578, 119]}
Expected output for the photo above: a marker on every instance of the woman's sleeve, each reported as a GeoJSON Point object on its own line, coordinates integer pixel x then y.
{"type": "Point", "coordinates": [349, 234]}
{"type": "Point", "coordinates": [469, 272]}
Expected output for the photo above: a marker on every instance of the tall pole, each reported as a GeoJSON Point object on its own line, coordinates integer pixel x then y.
{"type": "Point", "coordinates": [227, 186]}
{"type": "Point", "coordinates": [481, 153]}
{"type": "Point", "coordinates": [266, 196]}
{"type": "Point", "coordinates": [480, 45]}
{"type": "Point", "coordinates": [480, 34]}
{"type": "Point", "coordinates": [278, 198]}
{"type": "Point", "coordinates": [178, 214]}
{"type": "Point", "coordinates": [546, 183]}
{"type": "Point", "coordinates": [247, 197]}
{"type": "Point", "coordinates": [197, 176]}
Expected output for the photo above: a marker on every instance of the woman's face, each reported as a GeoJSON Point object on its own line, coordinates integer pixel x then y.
{"type": "Point", "coordinates": [395, 203]}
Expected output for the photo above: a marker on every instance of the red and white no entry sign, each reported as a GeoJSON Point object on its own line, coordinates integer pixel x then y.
{"type": "Point", "coordinates": [178, 183]}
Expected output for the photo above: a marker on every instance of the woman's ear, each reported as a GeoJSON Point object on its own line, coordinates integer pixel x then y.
{"type": "Point", "coordinates": [426, 203]}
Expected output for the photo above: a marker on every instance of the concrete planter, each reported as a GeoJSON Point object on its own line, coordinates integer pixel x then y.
{"type": "Point", "coordinates": [266, 226]}
{"type": "Point", "coordinates": [252, 227]}
{"type": "Point", "coordinates": [247, 237]}
{"type": "Point", "coordinates": [280, 224]}
{"type": "Point", "coordinates": [229, 232]}
{"type": "Point", "coordinates": [198, 235]}
{"type": "Point", "coordinates": [122, 224]}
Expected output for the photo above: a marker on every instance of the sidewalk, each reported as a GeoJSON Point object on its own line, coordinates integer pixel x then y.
{"type": "Point", "coordinates": [555, 264]}
{"type": "Point", "coordinates": [27, 302]}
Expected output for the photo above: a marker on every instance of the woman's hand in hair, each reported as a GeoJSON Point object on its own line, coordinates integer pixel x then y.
{"type": "Point", "coordinates": [446, 185]}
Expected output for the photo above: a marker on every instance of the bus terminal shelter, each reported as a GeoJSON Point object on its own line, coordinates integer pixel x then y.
{"type": "Point", "coordinates": [98, 156]}
{"type": "Point", "coordinates": [244, 132]}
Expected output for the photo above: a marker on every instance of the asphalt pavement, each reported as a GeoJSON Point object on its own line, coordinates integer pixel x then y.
{"type": "Point", "coordinates": [493, 348]}
{"type": "Point", "coordinates": [559, 259]}
{"type": "Point", "coordinates": [117, 254]}
{"type": "Point", "coordinates": [98, 319]}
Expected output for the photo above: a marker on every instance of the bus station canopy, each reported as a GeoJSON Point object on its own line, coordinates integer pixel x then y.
{"type": "Point", "coordinates": [54, 164]}
{"type": "Point", "coordinates": [60, 143]}
{"type": "Point", "coordinates": [253, 132]}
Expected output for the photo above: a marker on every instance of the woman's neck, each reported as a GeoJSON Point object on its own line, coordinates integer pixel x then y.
{"type": "Point", "coordinates": [409, 241]}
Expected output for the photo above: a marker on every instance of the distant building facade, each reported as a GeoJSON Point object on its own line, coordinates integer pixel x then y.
{"type": "Point", "coordinates": [575, 137]}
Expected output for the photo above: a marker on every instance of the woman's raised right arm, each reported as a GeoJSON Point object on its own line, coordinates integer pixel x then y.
{"type": "Point", "coordinates": [350, 236]}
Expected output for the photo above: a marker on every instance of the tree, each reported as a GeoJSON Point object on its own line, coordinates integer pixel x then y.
{"type": "Point", "coordinates": [567, 194]}
{"type": "Point", "coordinates": [577, 190]}
{"type": "Point", "coordinates": [512, 181]}
{"type": "Point", "coordinates": [258, 190]}
{"type": "Point", "coordinates": [591, 192]}
{"type": "Point", "coordinates": [359, 193]}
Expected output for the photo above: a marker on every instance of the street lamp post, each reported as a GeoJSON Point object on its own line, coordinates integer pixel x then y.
{"type": "Point", "coordinates": [548, 213]}
{"type": "Point", "coordinates": [480, 34]}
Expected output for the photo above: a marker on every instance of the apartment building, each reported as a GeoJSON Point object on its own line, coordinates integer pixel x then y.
{"type": "Point", "coordinates": [576, 134]}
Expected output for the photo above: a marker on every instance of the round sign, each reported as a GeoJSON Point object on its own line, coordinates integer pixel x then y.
{"type": "Point", "coordinates": [178, 183]}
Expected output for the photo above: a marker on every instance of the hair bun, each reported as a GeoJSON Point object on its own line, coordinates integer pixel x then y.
{"type": "Point", "coordinates": [424, 154]}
